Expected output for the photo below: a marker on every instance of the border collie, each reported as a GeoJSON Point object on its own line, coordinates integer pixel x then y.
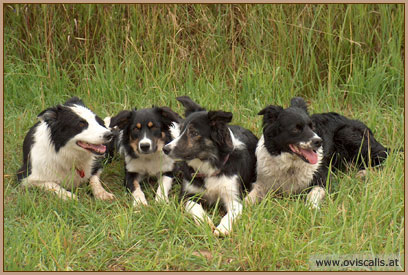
{"type": "Point", "coordinates": [142, 136]}
{"type": "Point", "coordinates": [64, 149]}
{"type": "Point", "coordinates": [296, 150]}
{"type": "Point", "coordinates": [221, 160]}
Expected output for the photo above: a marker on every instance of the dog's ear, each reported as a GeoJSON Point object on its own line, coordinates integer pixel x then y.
{"type": "Point", "coordinates": [50, 114]}
{"type": "Point", "coordinates": [189, 105]}
{"type": "Point", "coordinates": [74, 100]}
{"type": "Point", "coordinates": [121, 119]}
{"type": "Point", "coordinates": [220, 133]}
{"type": "Point", "coordinates": [298, 102]}
{"type": "Point", "coordinates": [167, 115]}
{"type": "Point", "coordinates": [270, 113]}
{"type": "Point", "coordinates": [219, 117]}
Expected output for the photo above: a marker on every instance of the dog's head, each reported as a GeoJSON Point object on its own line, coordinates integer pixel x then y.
{"type": "Point", "coordinates": [204, 135]}
{"type": "Point", "coordinates": [76, 126]}
{"type": "Point", "coordinates": [291, 130]}
{"type": "Point", "coordinates": [145, 131]}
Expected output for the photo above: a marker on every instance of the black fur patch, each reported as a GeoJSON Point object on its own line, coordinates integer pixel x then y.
{"type": "Point", "coordinates": [206, 136]}
{"type": "Point", "coordinates": [63, 123]}
{"type": "Point", "coordinates": [159, 117]}
{"type": "Point", "coordinates": [25, 169]}
{"type": "Point", "coordinates": [344, 140]}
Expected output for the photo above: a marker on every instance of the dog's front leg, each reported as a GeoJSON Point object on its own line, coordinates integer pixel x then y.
{"type": "Point", "coordinates": [97, 189]}
{"type": "Point", "coordinates": [165, 184]}
{"type": "Point", "coordinates": [51, 186]}
{"type": "Point", "coordinates": [234, 210]}
{"type": "Point", "coordinates": [198, 213]}
{"type": "Point", "coordinates": [254, 195]}
{"type": "Point", "coordinates": [133, 185]}
{"type": "Point", "coordinates": [315, 196]}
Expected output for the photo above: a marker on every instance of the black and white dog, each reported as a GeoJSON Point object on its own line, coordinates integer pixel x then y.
{"type": "Point", "coordinates": [142, 136]}
{"type": "Point", "coordinates": [64, 149]}
{"type": "Point", "coordinates": [221, 160]}
{"type": "Point", "coordinates": [296, 150]}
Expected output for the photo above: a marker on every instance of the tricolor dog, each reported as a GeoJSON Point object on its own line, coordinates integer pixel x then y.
{"type": "Point", "coordinates": [64, 149]}
{"type": "Point", "coordinates": [142, 136]}
{"type": "Point", "coordinates": [296, 150]}
{"type": "Point", "coordinates": [221, 160]}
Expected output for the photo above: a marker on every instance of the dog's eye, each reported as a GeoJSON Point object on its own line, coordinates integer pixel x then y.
{"type": "Point", "coordinates": [311, 126]}
{"type": "Point", "coordinates": [82, 123]}
{"type": "Point", "coordinates": [193, 133]}
{"type": "Point", "coordinates": [297, 129]}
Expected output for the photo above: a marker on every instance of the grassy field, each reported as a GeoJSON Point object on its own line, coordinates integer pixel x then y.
{"type": "Point", "coordinates": [238, 58]}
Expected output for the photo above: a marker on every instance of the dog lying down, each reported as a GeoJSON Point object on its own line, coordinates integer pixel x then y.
{"type": "Point", "coordinates": [296, 149]}
{"type": "Point", "coordinates": [64, 149]}
{"type": "Point", "coordinates": [221, 160]}
{"type": "Point", "coordinates": [142, 135]}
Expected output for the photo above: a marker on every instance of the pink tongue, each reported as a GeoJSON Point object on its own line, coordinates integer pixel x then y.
{"type": "Point", "coordinates": [100, 148]}
{"type": "Point", "coordinates": [310, 155]}
{"type": "Point", "coordinates": [96, 147]}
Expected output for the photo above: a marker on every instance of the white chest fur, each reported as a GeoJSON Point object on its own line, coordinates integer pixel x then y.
{"type": "Point", "coordinates": [59, 167]}
{"type": "Point", "coordinates": [285, 173]}
{"type": "Point", "coordinates": [215, 187]}
{"type": "Point", "coordinates": [151, 164]}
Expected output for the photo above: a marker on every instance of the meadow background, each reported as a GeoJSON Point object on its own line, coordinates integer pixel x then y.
{"type": "Point", "coordinates": [238, 58]}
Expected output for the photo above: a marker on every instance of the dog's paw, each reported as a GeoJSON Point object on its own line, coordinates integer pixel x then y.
{"type": "Point", "coordinates": [104, 195]}
{"type": "Point", "coordinates": [68, 196]}
{"type": "Point", "coordinates": [315, 197]}
{"type": "Point", "coordinates": [161, 197]}
{"type": "Point", "coordinates": [314, 206]}
{"type": "Point", "coordinates": [362, 174]}
{"type": "Point", "coordinates": [221, 231]}
{"type": "Point", "coordinates": [139, 201]}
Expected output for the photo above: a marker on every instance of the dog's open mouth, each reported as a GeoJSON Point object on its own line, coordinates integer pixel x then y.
{"type": "Point", "coordinates": [308, 155]}
{"type": "Point", "coordinates": [98, 149]}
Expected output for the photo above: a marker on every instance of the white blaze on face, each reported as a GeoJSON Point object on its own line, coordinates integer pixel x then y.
{"type": "Point", "coordinates": [144, 142]}
{"type": "Point", "coordinates": [95, 132]}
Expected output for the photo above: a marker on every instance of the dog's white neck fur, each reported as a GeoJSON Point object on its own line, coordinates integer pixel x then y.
{"type": "Point", "coordinates": [174, 130]}
{"type": "Point", "coordinates": [238, 145]}
{"type": "Point", "coordinates": [150, 164]}
{"type": "Point", "coordinates": [285, 173]}
{"type": "Point", "coordinates": [58, 166]}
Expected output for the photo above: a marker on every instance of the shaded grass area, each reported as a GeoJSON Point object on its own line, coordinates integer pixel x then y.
{"type": "Point", "coordinates": [238, 58]}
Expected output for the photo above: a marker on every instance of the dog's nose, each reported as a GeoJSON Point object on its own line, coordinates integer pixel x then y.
{"type": "Point", "coordinates": [166, 150]}
{"type": "Point", "coordinates": [144, 147]}
{"type": "Point", "coordinates": [108, 136]}
{"type": "Point", "coordinates": [317, 142]}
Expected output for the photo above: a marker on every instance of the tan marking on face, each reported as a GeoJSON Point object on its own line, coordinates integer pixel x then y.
{"type": "Point", "coordinates": [134, 143]}
{"type": "Point", "coordinates": [163, 134]}
{"type": "Point", "coordinates": [160, 144]}
{"type": "Point", "coordinates": [150, 124]}
{"type": "Point", "coordinates": [190, 141]}
{"type": "Point", "coordinates": [138, 125]}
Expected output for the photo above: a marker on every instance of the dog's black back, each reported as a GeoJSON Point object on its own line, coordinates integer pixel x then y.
{"type": "Point", "coordinates": [348, 141]}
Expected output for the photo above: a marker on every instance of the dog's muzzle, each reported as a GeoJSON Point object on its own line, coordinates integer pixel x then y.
{"type": "Point", "coordinates": [166, 149]}
{"type": "Point", "coordinates": [307, 150]}
{"type": "Point", "coordinates": [108, 136]}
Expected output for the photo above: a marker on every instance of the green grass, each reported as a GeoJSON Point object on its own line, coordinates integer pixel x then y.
{"type": "Point", "coordinates": [238, 58]}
